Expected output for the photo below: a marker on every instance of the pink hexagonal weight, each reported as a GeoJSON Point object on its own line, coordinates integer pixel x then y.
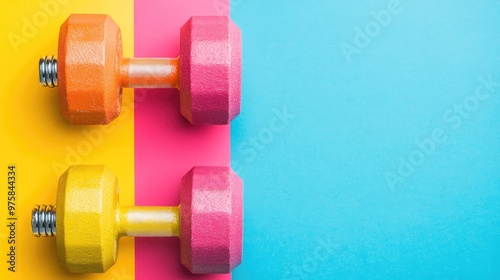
{"type": "Point", "coordinates": [211, 220]}
{"type": "Point", "coordinates": [210, 70]}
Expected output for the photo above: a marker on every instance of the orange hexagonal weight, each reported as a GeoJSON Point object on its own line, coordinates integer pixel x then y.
{"type": "Point", "coordinates": [90, 54]}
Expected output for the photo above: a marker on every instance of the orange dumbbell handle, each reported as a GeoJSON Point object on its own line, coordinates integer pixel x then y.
{"type": "Point", "coordinates": [149, 73]}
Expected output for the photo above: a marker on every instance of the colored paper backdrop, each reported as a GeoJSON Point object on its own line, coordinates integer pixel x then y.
{"type": "Point", "coordinates": [370, 139]}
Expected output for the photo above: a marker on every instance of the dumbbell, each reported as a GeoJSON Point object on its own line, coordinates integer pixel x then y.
{"type": "Point", "coordinates": [90, 70]}
{"type": "Point", "coordinates": [90, 221]}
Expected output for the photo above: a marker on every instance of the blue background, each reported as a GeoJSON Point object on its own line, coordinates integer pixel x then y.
{"type": "Point", "coordinates": [318, 204]}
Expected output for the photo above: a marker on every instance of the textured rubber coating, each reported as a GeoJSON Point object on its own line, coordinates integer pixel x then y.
{"type": "Point", "coordinates": [211, 220]}
{"type": "Point", "coordinates": [210, 70]}
{"type": "Point", "coordinates": [90, 52]}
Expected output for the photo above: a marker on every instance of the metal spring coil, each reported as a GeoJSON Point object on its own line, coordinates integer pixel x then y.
{"type": "Point", "coordinates": [43, 220]}
{"type": "Point", "coordinates": [48, 71]}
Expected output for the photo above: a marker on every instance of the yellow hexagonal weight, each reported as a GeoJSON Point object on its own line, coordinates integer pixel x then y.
{"type": "Point", "coordinates": [87, 200]}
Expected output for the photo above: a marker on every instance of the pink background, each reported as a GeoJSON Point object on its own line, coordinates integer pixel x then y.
{"type": "Point", "coordinates": [166, 145]}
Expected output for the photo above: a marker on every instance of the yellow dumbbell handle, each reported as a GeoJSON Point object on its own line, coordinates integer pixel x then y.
{"type": "Point", "coordinates": [148, 221]}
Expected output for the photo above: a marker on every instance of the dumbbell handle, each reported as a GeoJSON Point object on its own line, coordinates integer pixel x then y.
{"type": "Point", "coordinates": [155, 221]}
{"type": "Point", "coordinates": [149, 73]}
{"type": "Point", "coordinates": [148, 221]}
{"type": "Point", "coordinates": [134, 72]}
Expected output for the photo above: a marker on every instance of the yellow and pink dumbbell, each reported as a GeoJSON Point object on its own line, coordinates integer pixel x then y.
{"type": "Point", "coordinates": [87, 220]}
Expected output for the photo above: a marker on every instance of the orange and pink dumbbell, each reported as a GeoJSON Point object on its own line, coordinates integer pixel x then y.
{"type": "Point", "coordinates": [90, 70]}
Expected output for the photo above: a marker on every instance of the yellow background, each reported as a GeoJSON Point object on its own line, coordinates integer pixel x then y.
{"type": "Point", "coordinates": [36, 138]}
